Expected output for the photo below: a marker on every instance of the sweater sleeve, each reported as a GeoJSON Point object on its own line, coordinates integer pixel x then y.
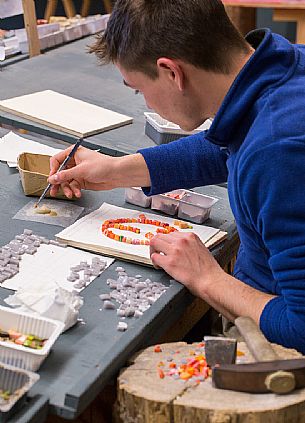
{"type": "Point", "coordinates": [186, 163]}
{"type": "Point", "coordinates": [273, 183]}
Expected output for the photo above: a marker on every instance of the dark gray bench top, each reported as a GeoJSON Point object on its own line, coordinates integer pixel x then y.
{"type": "Point", "coordinates": [86, 357]}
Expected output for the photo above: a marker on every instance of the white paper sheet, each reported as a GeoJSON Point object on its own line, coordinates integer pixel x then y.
{"type": "Point", "coordinates": [49, 268]}
{"type": "Point", "coordinates": [11, 145]}
{"type": "Point", "coordinates": [2, 53]}
{"type": "Point", "coordinates": [87, 230]}
{"type": "Point", "coordinates": [10, 8]}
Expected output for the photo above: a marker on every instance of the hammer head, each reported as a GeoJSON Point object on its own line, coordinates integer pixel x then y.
{"type": "Point", "coordinates": [219, 350]}
{"type": "Point", "coordinates": [263, 377]}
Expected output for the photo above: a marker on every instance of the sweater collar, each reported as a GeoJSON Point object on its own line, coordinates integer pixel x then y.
{"type": "Point", "coordinates": [270, 64]}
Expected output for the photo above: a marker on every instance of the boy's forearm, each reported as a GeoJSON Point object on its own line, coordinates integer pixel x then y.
{"type": "Point", "coordinates": [234, 298]}
{"type": "Point", "coordinates": [131, 170]}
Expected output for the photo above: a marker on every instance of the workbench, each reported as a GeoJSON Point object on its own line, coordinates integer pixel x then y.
{"type": "Point", "coordinates": [72, 71]}
{"type": "Point", "coordinates": [243, 14]}
{"type": "Point", "coordinates": [90, 355]}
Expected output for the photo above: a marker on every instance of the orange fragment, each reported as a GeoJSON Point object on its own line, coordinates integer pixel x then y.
{"type": "Point", "coordinates": [172, 365]}
{"type": "Point", "coordinates": [185, 376]}
{"type": "Point", "coordinates": [190, 370]}
{"type": "Point", "coordinates": [157, 349]}
{"type": "Point", "coordinates": [161, 373]}
{"type": "Point", "coordinates": [240, 353]}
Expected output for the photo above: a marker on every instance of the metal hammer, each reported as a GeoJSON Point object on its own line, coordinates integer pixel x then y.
{"type": "Point", "coordinates": [268, 374]}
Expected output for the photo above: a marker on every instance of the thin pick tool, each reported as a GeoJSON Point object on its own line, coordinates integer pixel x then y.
{"type": "Point", "coordinates": [61, 167]}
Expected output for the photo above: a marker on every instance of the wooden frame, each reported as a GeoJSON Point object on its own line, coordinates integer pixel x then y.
{"type": "Point", "coordinates": [70, 9]}
{"type": "Point", "coordinates": [30, 23]}
{"type": "Point", "coordinates": [86, 7]}
{"type": "Point", "coordinates": [51, 8]}
{"type": "Point", "coordinates": [287, 12]}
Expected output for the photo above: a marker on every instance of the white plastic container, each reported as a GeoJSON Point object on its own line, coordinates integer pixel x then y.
{"type": "Point", "coordinates": [18, 355]}
{"type": "Point", "coordinates": [162, 131]}
{"type": "Point", "coordinates": [24, 47]}
{"type": "Point", "coordinates": [135, 195]}
{"type": "Point", "coordinates": [100, 23]}
{"type": "Point", "coordinates": [78, 32]}
{"type": "Point", "coordinates": [18, 382]}
{"type": "Point", "coordinates": [69, 34]}
{"type": "Point", "coordinates": [167, 204]}
{"type": "Point", "coordinates": [195, 207]}
{"type": "Point", "coordinates": [58, 38]}
{"type": "Point", "coordinates": [88, 25]}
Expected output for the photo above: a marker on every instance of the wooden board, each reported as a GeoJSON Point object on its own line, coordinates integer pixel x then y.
{"type": "Point", "coordinates": [86, 233]}
{"type": "Point", "coordinates": [144, 397]}
{"type": "Point", "coordinates": [64, 113]}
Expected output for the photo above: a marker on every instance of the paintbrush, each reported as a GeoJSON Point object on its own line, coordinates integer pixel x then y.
{"type": "Point", "coordinates": [61, 167]}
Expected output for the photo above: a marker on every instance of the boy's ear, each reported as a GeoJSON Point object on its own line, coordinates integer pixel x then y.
{"type": "Point", "coordinates": [171, 69]}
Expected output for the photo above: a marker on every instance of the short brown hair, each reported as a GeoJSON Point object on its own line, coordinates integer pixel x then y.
{"type": "Point", "coordinates": [198, 32]}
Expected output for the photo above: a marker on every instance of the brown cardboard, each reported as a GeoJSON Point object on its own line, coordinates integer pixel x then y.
{"type": "Point", "coordinates": [34, 170]}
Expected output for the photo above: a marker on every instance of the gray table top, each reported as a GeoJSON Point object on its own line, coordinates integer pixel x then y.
{"type": "Point", "coordinates": [87, 356]}
{"type": "Point", "coordinates": [72, 71]}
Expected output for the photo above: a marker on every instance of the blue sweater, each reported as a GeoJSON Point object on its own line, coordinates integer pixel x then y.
{"type": "Point", "coordinates": [257, 144]}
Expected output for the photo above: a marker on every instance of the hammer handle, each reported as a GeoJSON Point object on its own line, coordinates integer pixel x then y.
{"type": "Point", "coordinates": [258, 345]}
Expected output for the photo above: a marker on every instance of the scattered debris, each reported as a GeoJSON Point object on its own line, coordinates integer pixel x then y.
{"type": "Point", "coordinates": [133, 295]}
{"type": "Point", "coordinates": [192, 368]}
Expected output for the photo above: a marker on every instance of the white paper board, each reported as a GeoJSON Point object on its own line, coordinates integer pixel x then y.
{"type": "Point", "coordinates": [64, 113]}
{"type": "Point", "coordinates": [86, 233]}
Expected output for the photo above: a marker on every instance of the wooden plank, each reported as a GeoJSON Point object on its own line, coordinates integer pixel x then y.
{"type": "Point", "coordinates": [86, 234]}
{"type": "Point", "coordinates": [243, 18]}
{"type": "Point", "coordinates": [31, 27]}
{"type": "Point", "coordinates": [108, 6]}
{"type": "Point", "coordinates": [50, 9]}
{"type": "Point", "coordinates": [69, 8]}
{"type": "Point", "coordinates": [64, 113]}
{"type": "Point", "coordinates": [87, 3]}
{"type": "Point", "coordinates": [85, 8]}
{"type": "Point", "coordinates": [269, 5]}
{"type": "Point", "coordinates": [285, 15]}
{"type": "Point", "coordinates": [298, 16]}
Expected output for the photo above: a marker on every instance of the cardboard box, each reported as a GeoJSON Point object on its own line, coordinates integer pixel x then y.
{"type": "Point", "coordinates": [34, 170]}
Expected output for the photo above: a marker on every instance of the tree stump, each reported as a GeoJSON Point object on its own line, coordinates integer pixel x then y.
{"type": "Point", "coordinates": [144, 397]}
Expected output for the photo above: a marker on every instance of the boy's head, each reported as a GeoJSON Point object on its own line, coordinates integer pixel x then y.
{"type": "Point", "coordinates": [197, 32]}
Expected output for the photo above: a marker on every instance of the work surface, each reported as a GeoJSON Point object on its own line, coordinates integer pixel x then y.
{"type": "Point", "coordinates": [72, 71]}
{"type": "Point", "coordinates": [90, 354]}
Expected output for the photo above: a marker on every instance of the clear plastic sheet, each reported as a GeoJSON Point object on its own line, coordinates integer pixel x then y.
{"type": "Point", "coordinates": [67, 212]}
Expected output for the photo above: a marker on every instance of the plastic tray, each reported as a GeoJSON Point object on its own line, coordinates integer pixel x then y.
{"type": "Point", "coordinates": [18, 382]}
{"type": "Point", "coordinates": [189, 205]}
{"type": "Point", "coordinates": [135, 195]}
{"type": "Point", "coordinates": [167, 204]}
{"type": "Point", "coordinates": [18, 355]}
{"type": "Point", "coordinates": [162, 131]}
{"type": "Point", "coordinates": [195, 207]}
